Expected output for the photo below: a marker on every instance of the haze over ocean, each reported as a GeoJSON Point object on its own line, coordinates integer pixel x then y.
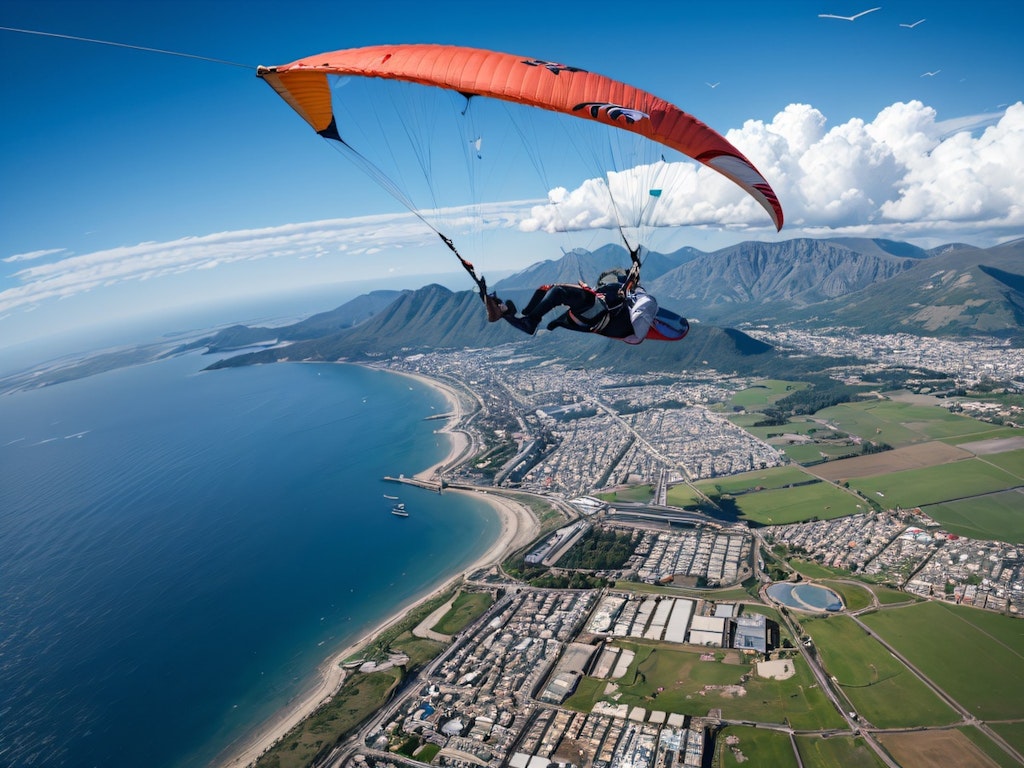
{"type": "Point", "coordinates": [179, 551]}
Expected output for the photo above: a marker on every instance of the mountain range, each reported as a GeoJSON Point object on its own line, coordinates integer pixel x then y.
{"type": "Point", "coordinates": [873, 286]}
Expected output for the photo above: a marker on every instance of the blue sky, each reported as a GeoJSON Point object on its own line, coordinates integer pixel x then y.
{"type": "Point", "coordinates": [136, 182]}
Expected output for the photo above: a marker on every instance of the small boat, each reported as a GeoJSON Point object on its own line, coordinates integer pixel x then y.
{"type": "Point", "coordinates": [399, 509]}
{"type": "Point", "coordinates": [392, 498]}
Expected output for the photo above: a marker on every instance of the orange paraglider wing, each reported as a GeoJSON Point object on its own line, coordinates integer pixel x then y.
{"type": "Point", "coordinates": [546, 85]}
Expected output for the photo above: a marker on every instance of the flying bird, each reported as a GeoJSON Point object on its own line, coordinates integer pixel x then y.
{"type": "Point", "coordinates": [712, 85]}
{"type": "Point", "coordinates": [848, 18]}
{"type": "Point", "coordinates": [911, 26]}
{"type": "Point", "coordinates": [931, 74]}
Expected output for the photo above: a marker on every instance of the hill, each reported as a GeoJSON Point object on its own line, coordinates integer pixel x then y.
{"type": "Point", "coordinates": [435, 318]}
{"type": "Point", "coordinates": [877, 286]}
{"type": "Point", "coordinates": [348, 315]}
{"type": "Point", "coordinates": [959, 291]}
{"type": "Point", "coordinates": [756, 281]}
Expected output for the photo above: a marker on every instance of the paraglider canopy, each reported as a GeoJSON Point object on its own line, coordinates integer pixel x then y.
{"type": "Point", "coordinates": [532, 82]}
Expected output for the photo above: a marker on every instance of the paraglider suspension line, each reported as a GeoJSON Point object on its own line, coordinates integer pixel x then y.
{"type": "Point", "coordinates": [127, 45]}
{"type": "Point", "coordinates": [385, 182]}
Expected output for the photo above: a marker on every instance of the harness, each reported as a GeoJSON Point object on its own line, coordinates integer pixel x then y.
{"type": "Point", "coordinates": [613, 282]}
{"type": "Point", "coordinates": [596, 318]}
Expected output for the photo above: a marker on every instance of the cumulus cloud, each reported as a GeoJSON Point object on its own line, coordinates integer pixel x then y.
{"type": "Point", "coordinates": [903, 174]}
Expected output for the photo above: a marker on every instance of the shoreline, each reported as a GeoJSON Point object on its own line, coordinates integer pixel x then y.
{"type": "Point", "coordinates": [518, 527]}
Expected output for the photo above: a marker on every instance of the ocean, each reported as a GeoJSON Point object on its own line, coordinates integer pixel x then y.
{"type": "Point", "coordinates": [180, 551]}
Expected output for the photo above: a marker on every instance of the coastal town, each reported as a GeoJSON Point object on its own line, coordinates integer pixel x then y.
{"type": "Point", "coordinates": [546, 676]}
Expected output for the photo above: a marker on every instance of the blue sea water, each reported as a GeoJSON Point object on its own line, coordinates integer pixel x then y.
{"type": "Point", "coordinates": [179, 550]}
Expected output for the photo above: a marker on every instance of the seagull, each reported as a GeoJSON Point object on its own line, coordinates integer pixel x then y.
{"type": "Point", "coordinates": [931, 74]}
{"type": "Point", "coordinates": [712, 85]}
{"type": "Point", "coordinates": [848, 18]}
{"type": "Point", "coordinates": [911, 26]}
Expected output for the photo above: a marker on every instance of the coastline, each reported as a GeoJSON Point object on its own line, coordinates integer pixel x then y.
{"type": "Point", "coordinates": [518, 527]}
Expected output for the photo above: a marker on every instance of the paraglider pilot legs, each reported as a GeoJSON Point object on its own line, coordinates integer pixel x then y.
{"type": "Point", "coordinates": [547, 298]}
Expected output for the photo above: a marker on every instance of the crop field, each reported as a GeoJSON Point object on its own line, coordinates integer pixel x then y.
{"type": "Point", "coordinates": [917, 456]}
{"type": "Point", "coordinates": [1012, 732]}
{"type": "Point", "coordinates": [931, 485]}
{"type": "Point", "coordinates": [739, 744]}
{"type": "Point", "coordinates": [994, 516]}
{"type": "Point", "coordinates": [836, 752]}
{"type": "Point", "coordinates": [791, 505]}
{"type": "Point", "coordinates": [989, 747]}
{"type": "Point", "coordinates": [881, 689]}
{"type": "Point", "coordinates": [977, 657]}
{"type": "Point", "coordinates": [997, 441]}
{"type": "Point", "coordinates": [900, 424]}
{"type": "Point", "coordinates": [1011, 461]}
{"type": "Point", "coordinates": [924, 750]}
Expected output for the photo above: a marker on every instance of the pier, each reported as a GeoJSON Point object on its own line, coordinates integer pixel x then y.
{"type": "Point", "coordinates": [430, 485]}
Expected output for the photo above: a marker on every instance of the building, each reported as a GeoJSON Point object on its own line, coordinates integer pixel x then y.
{"type": "Point", "coordinates": [751, 633]}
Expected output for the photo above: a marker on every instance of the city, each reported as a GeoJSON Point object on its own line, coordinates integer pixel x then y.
{"type": "Point", "coordinates": [497, 695]}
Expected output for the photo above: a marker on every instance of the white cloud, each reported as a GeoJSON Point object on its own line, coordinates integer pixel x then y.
{"type": "Point", "coordinates": [903, 174]}
{"type": "Point", "coordinates": [900, 175]}
{"type": "Point", "coordinates": [31, 256]}
{"type": "Point", "coordinates": [344, 238]}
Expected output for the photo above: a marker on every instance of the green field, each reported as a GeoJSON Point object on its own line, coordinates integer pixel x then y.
{"type": "Point", "coordinates": [882, 690]}
{"type": "Point", "coordinates": [744, 420]}
{"type": "Point", "coordinates": [814, 453]}
{"type": "Point", "coordinates": [995, 516]}
{"type": "Point", "coordinates": [813, 570]}
{"type": "Point", "coordinates": [764, 392]}
{"type": "Point", "coordinates": [683, 496]}
{"type": "Point", "coordinates": [885, 595]}
{"type": "Point", "coordinates": [1012, 732]}
{"type": "Point", "coordinates": [820, 500]}
{"type": "Point", "coordinates": [797, 425]}
{"type": "Point", "coordinates": [900, 424]}
{"type": "Point", "coordinates": [993, 750]}
{"type": "Point", "coordinates": [855, 596]}
{"type": "Point", "coordinates": [836, 752]}
{"type": "Point", "coordinates": [996, 433]}
{"type": "Point", "coordinates": [640, 493]}
{"type": "Point", "coordinates": [889, 596]}
{"type": "Point", "coordinates": [931, 485]}
{"type": "Point", "coordinates": [776, 477]}
{"type": "Point", "coordinates": [977, 657]}
{"type": "Point", "coordinates": [779, 495]}
{"type": "Point", "coordinates": [1011, 461]}
{"type": "Point", "coordinates": [754, 746]}
{"type": "Point", "coordinates": [468, 606]}
{"type": "Point", "coordinates": [690, 686]}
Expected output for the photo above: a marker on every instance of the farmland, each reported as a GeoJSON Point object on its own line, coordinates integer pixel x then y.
{"type": "Point", "coordinates": [880, 688]}
{"type": "Point", "coordinates": [931, 485]}
{"type": "Point", "coordinates": [818, 500]}
{"type": "Point", "coordinates": [975, 656]}
{"type": "Point", "coordinates": [993, 516]}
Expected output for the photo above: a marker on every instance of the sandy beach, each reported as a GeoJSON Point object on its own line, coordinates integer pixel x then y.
{"type": "Point", "coordinates": [518, 527]}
